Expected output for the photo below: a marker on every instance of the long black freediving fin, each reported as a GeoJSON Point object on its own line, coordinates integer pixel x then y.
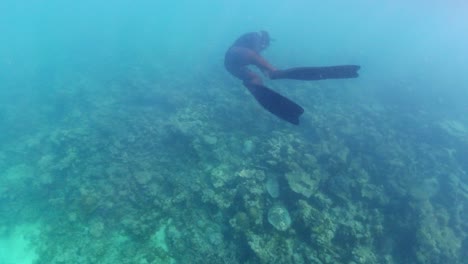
{"type": "Point", "coordinates": [317, 73]}
{"type": "Point", "coordinates": [275, 103]}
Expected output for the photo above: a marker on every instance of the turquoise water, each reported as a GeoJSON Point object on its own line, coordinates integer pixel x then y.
{"type": "Point", "coordinates": [124, 140]}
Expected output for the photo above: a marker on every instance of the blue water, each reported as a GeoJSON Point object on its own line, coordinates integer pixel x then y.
{"type": "Point", "coordinates": [124, 140]}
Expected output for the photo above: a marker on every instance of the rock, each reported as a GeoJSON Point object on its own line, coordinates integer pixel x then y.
{"type": "Point", "coordinates": [210, 140]}
{"type": "Point", "coordinates": [240, 222]}
{"type": "Point", "coordinates": [96, 229]}
{"type": "Point", "coordinates": [425, 189]}
{"type": "Point", "coordinates": [248, 147]}
{"type": "Point", "coordinates": [272, 187]}
{"type": "Point", "coordinates": [143, 177]}
{"type": "Point", "coordinates": [454, 128]}
{"type": "Point", "coordinates": [278, 217]}
{"type": "Point", "coordinates": [302, 182]}
{"type": "Point", "coordinates": [252, 174]}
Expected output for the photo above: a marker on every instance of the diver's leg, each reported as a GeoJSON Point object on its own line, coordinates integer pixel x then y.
{"type": "Point", "coordinates": [272, 101]}
{"type": "Point", "coordinates": [275, 103]}
{"type": "Point", "coordinates": [317, 73]}
{"type": "Point", "coordinates": [246, 75]}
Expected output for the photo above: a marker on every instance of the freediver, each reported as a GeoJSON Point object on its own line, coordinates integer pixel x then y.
{"type": "Point", "coordinates": [246, 51]}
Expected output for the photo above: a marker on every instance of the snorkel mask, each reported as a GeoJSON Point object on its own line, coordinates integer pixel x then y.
{"type": "Point", "coordinates": [265, 39]}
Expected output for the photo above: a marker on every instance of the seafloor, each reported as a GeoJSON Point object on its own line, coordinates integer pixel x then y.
{"type": "Point", "coordinates": [152, 165]}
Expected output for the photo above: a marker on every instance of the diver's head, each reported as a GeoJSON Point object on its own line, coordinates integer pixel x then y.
{"type": "Point", "coordinates": [264, 39]}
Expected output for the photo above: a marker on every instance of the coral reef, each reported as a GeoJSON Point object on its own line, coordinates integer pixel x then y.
{"type": "Point", "coordinates": [166, 173]}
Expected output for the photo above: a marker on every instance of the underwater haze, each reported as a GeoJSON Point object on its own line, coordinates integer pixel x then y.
{"type": "Point", "coordinates": [124, 140]}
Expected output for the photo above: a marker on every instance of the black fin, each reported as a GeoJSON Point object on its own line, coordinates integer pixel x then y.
{"type": "Point", "coordinates": [275, 103]}
{"type": "Point", "coordinates": [317, 73]}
